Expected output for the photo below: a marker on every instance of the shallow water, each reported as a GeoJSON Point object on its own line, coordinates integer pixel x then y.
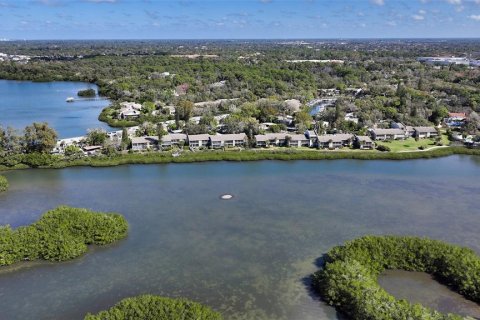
{"type": "Point", "coordinates": [419, 287]}
{"type": "Point", "coordinates": [247, 257]}
{"type": "Point", "coordinates": [24, 102]}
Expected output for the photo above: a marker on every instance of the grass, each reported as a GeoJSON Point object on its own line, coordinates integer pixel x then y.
{"type": "Point", "coordinates": [284, 154]}
{"type": "Point", "coordinates": [254, 155]}
{"type": "Point", "coordinates": [408, 144]}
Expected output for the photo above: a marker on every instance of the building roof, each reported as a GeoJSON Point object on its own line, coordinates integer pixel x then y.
{"type": "Point", "coordinates": [144, 139]}
{"type": "Point", "coordinates": [387, 131]}
{"type": "Point", "coordinates": [297, 137]}
{"type": "Point", "coordinates": [425, 129]}
{"type": "Point", "coordinates": [228, 137]}
{"type": "Point", "coordinates": [174, 136]}
{"type": "Point", "coordinates": [273, 136]}
{"type": "Point", "coordinates": [91, 148]}
{"type": "Point", "coordinates": [364, 139]}
{"type": "Point", "coordinates": [261, 138]}
{"type": "Point", "coordinates": [335, 137]}
{"type": "Point", "coordinates": [457, 115]}
{"type": "Point", "coordinates": [198, 137]}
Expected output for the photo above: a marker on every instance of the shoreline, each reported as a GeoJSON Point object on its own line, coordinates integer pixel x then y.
{"type": "Point", "coordinates": [250, 155]}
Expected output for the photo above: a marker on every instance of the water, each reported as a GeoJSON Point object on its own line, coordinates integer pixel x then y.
{"type": "Point", "coordinates": [419, 287]}
{"type": "Point", "coordinates": [24, 102]}
{"type": "Point", "coordinates": [247, 257]}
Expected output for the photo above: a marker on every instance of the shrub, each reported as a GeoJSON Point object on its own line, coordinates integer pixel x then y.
{"type": "Point", "coordinates": [87, 93]}
{"type": "Point", "coordinates": [149, 307]}
{"type": "Point", "coordinates": [348, 279]}
{"type": "Point", "coordinates": [3, 184]}
{"type": "Point", "coordinates": [60, 234]}
{"type": "Point", "coordinates": [381, 147]}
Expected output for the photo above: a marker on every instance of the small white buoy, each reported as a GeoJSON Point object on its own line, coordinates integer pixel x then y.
{"type": "Point", "coordinates": [226, 197]}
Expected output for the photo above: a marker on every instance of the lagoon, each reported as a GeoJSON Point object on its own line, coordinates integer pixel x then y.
{"type": "Point", "coordinates": [248, 257]}
{"type": "Point", "coordinates": [24, 102]}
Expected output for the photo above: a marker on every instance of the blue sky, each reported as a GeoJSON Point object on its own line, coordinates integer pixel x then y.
{"type": "Point", "coordinates": [228, 19]}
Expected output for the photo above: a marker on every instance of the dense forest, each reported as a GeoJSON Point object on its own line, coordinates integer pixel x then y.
{"type": "Point", "coordinates": [260, 75]}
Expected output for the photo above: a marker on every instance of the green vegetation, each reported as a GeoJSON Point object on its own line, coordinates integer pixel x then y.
{"type": "Point", "coordinates": [60, 234]}
{"type": "Point", "coordinates": [87, 93]}
{"type": "Point", "coordinates": [52, 161]}
{"type": "Point", "coordinates": [409, 144]}
{"type": "Point", "coordinates": [3, 184]}
{"type": "Point", "coordinates": [378, 82]}
{"type": "Point", "coordinates": [348, 280]}
{"type": "Point", "coordinates": [149, 307]}
{"type": "Point", "coordinates": [109, 117]}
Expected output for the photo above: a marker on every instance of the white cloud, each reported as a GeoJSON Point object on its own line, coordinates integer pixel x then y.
{"type": "Point", "coordinates": [418, 17]}
{"type": "Point", "coordinates": [378, 2]}
{"type": "Point", "coordinates": [475, 17]}
{"type": "Point", "coordinates": [456, 2]}
{"type": "Point", "coordinates": [422, 11]}
{"type": "Point", "coordinates": [391, 23]}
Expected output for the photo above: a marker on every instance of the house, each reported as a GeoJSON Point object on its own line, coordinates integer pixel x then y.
{"type": "Point", "coordinates": [144, 143]}
{"type": "Point", "coordinates": [312, 136]}
{"type": "Point", "coordinates": [397, 125]}
{"type": "Point", "coordinates": [198, 140]}
{"type": "Point", "coordinates": [271, 139]}
{"type": "Point", "coordinates": [228, 140]}
{"type": "Point", "coordinates": [286, 120]}
{"type": "Point", "coordinates": [129, 110]}
{"type": "Point", "coordinates": [334, 141]}
{"type": "Point", "coordinates": [173, 139]}
{"type": "Point", "coordinates": [261, 141]}
{"type": "Point", "coordinates": [387, 134]}
{"type": "Point", "coordinates": [298, 140]}
{"type": "Point", "coordinates": [91, 150]}
{"type": "Point", "coordinates": [425, 132]}
{"type": "Point", "coordinates": [266, 125]}
{"type": "Point", "coordinates": [364, 142]}
{"type": "Point", "coordinates": [351, 117]}
{"type": "Point", "coordinates": [409, 131]}
{"type": "Point", "coordinates": [455, 119]}
{"type": "Point", "coordinates": [129, 114]}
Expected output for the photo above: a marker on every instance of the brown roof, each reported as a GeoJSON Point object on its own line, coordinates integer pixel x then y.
{"type": "Point", "coordinates": [457, 114]}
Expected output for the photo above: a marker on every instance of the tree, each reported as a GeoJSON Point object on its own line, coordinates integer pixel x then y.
{"type": "Point", "coordinates": [184, 110]}
{"type": "Point", "coordinates": [96, 137]}
{"type": "Point", "coordinates": [160, 132]}
{"type": "Point", "coordinates": [438, 114]}
{"type": "Point", "coordinates": [39, 137]}
{"type": "Point", "coordinates": [303, 120]}
{"type": "Point", "coordinates": [73, 151]}
{"type": "Point", "coordinates": [125, 144]}
{"type": "Point", "coordinates": [146, 129]}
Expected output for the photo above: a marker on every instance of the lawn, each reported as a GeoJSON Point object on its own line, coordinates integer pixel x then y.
{"type": "Point", "coordinates": [408, 144]}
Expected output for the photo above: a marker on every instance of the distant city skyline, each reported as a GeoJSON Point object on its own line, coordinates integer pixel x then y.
{"type": "Point", "coordinates": [248, 19]}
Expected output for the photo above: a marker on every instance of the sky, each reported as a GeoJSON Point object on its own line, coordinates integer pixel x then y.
{"type": "Point", "coordinates": [238, 19]}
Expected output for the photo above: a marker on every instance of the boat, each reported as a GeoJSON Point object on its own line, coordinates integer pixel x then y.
{"type": "Point", "coordinates": [70, 99]}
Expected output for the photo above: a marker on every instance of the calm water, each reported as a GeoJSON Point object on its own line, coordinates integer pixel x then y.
{"type": "Point", "coordinates": [419, 287]}
{"type": "Point", "coordinates": [24, 102]}
{"type": "Point", "coordinates": [247, 257]}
